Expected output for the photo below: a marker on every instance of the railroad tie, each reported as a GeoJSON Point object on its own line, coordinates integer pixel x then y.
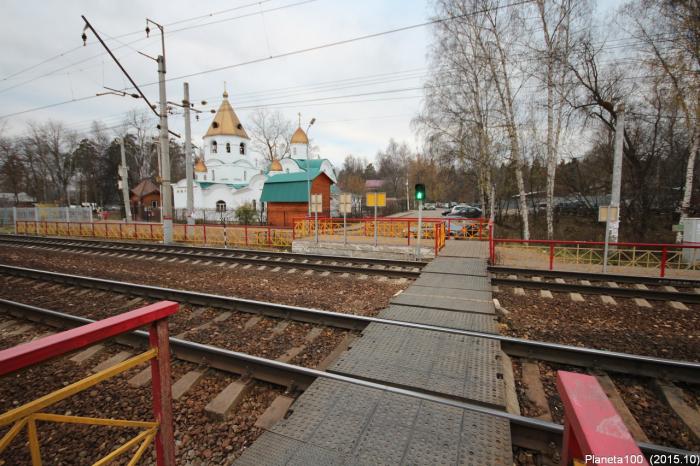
{"type": "Point", "coordinates": [116, 359]}
{"type": "Point", "coordinates": [512, 277]}
{"type": "Point", "coordinates": [262, 267]}
{"type": "Point", "coordinates": [184, 383]}
{"type": "Point", "coordinates": [141, 379]}
{"type": "Point", "coordinates": [7, 323]}
{"type": "Point", "coordinates": [585, 282]}
{"type": "Point", "coordinates": [518, 291]}
{"type": "Point", "coordinates": [313, 334]}
{"type": "Point", "coordinates": [534, 389]}
{"type": "Point", "coordinates": [675, 398]}
{"type": "Point", "coordinates": [362, 276]}
{"type": "Point", "coordinates": [641, 286]}
{"type": "Point", "coordinates": [546, 294]}
{"type": "Point", "coordinates": [87, 353]}
{"type": "Point", "coordinates": [222, 316]}
{"type": "Point", "coordinates": [677, 305]}
{"type": "Point", "coordinates": [641, 302]}
{"type": "Point", "coordinates": [233, 266]}
{"type": "Point", "coordinates": [196, 262]}
{"type": "Point", "coordinates": [610, 390]}
{"type": "Point", "coordinates": [613, 285]}
{"type": "Point", "coordinates": [291, 353]}
{"type": "Point", "coordinates": [560, 281]}
{"type": "Point", "coordinates": [670, 289]}
{"type": "Point", "coordinates": [229, 398]}
{"type": "Point", "coordinates": [252, 322]}
{"type": "Point", "coordinates": [537, 279]}
{"type": "Point", "coordinates": [280, 327]}
{"type": "Point", "coordinates": [292, 270]}
{"type": "Point", "coordinates": [247, 266]}
{"type": "Point", "coordinates": [512, 404]}
{"type": "Point", "coordinates": [221, 264]}
{"type": "Point", "coordinates": [381, 279]}
{"type": "Point", "coordinates": [276, 411]}
{"type": "Point", "coordinates": [308, 272]}
{"type": "Point", "coordinates": [608, 300]}
{"type": "Point", "coordinates": [276, 269]}
{"type": "Point", "coordinates": [19, 330]}
{"type": "Point", "coordinates": [495, 289]}
{"type": "Point", "coordinates": [697, 290]}
{"type": "Point", "coordinates": [325, 273]}
{"type": "Point", "coordinates": [339, 349]}
{"type": "Point", "coordinates": [576, 297]}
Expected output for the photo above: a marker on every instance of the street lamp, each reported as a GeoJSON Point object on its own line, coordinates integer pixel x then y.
{"type": "Point", "coordinates": [308, 179]}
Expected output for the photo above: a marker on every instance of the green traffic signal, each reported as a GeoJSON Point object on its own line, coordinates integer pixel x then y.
{"type": "Point", "coordinates": [420, 192]}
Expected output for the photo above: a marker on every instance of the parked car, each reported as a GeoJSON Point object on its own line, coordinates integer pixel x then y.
{"type": "Point", "coordinates": [571, 207]}
{"type": "Point", "coordinates": [460, 230]}
{"type": "Point", "coordinates": [464, 211]}
{"type": "Point", "coordinates": [429, 206]}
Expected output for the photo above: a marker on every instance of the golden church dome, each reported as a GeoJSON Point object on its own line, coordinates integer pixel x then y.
{"type": "Point", "coordinates": [299, 137]}
{"type": "Point", "coordinates": [276, 166]}
{"type": "Point", "coordinates": [200, 167]}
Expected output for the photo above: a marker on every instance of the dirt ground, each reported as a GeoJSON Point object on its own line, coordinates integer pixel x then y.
{"type": "Point", "coordinates": [658, 331]}
{"type": "Point", "coordinates": [333, 293]}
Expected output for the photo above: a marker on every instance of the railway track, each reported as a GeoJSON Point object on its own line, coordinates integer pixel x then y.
{"type": "Point", "coordinates": [583, 283]}
{"type": "Point", "coordinates": [526, 432]}
{"type": "Point", "coordinates": [154, 251]}
{"type": "Point", "coordinates": [517, 347]}
{"type": "Point", "coordinates": [598, 277]}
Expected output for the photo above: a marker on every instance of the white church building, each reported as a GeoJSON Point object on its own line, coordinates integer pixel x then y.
{"type": "Point", "coordinates": [226, 175]}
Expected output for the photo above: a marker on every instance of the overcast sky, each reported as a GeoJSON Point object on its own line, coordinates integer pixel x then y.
{"type": "Point", "coordinates": [353, 116]}
{"type": "Point", "coordinates": [362, 93]}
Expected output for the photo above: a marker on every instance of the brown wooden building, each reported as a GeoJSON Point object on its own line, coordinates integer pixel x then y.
{"type": "Point", "coordinates": [287, 196]}
{"type": "Point", "coordinates": [145, 201]}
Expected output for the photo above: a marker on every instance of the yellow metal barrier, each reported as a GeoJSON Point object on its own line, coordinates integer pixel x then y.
{"type": "Point", "coordinates": [28, 414]}
{"type": "Point", "coordinates": [215, 235]}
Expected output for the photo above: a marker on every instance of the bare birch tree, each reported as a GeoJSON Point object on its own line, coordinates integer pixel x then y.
{"type": "Point", "coordinates": [670, 31]}
{"type": "Point", "coordinates": [270, 134]}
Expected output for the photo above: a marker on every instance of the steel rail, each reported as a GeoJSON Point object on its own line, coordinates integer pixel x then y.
{"type": "Point", "coordinates": [603, 277]}
{"type": "Point", "coordinates": [155, 247]}
{"type": "Point", "coordinates": [525, 432]}
{"type": "Point", "coordinates": [221, 255]}
{"type": "Point", "coordinates": [552, 352]}
{"type": "Point", "coordinates": [654, 295]}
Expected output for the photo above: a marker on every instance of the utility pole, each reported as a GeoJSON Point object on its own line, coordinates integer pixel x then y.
{"type": "Point", "coordinates": [124, 175]}
{"type": "Point", "coordinates": [408, 201]}
{"type": "Point", "coordinates": [617, 171]}
{"type": "Point", "coordinates": [188, 155]}
{"type": "Point", "coordinates": [167, 209]}
{"type": "Point", "coordinates": [612, 224]}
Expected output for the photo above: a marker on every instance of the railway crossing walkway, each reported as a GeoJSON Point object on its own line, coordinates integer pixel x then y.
{"type": "Point", "coordinates": [340, 424]}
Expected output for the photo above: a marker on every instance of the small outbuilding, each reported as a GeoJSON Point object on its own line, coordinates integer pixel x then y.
{"type": "Point", "coordinates": [145, 201]}
{"type": "Point", "coordinates": [287, 195]}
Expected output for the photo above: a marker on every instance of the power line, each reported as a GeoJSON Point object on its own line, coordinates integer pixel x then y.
{"type": "Point", "coordinates": [129, 44]}
{"type": "Point", "coordinates": [194, 18]}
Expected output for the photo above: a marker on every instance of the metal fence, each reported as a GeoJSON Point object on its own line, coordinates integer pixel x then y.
{"type": "Point", "coordinates": [8, 215]}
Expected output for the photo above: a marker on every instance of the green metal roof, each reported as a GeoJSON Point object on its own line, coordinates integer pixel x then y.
{"type": "Point", "coordinates": [285, 192]}
{"type": "Point", "coordinates": [291, 177]}
{"type": "Point", "coordinates": [312, 163]}
{"type": "Point", "coordinates": [288, 187]}
{"type": "Point", "coordinates": [207, 184]}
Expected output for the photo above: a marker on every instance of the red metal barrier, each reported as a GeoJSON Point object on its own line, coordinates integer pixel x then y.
{"type": "Point", "coordinates": [552, 244]}
{"type": "Point", "coordinates": [593, 430]}
{"type": "Point", "coordinates": [37, 351]}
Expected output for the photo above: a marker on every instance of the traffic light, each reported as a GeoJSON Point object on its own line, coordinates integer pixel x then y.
{"type": "Point", "coordinates": [420, 192]}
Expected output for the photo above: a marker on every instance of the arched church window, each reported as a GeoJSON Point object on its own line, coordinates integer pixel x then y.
{"type": "Point", "coordinates": [220, 206]}
{"type": "Point", "coordinates": [295, 151]}
{"type": "Point", "coordinates": [241, 148]}
{"type": "Point", "coordinates": [213, 175]}
{"type": "Point", "coordinates": [228, 147]}
{"type": "Point", "coordinates": [213, 147]}
{"type": "Point", "coordinates": [245, 176]}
